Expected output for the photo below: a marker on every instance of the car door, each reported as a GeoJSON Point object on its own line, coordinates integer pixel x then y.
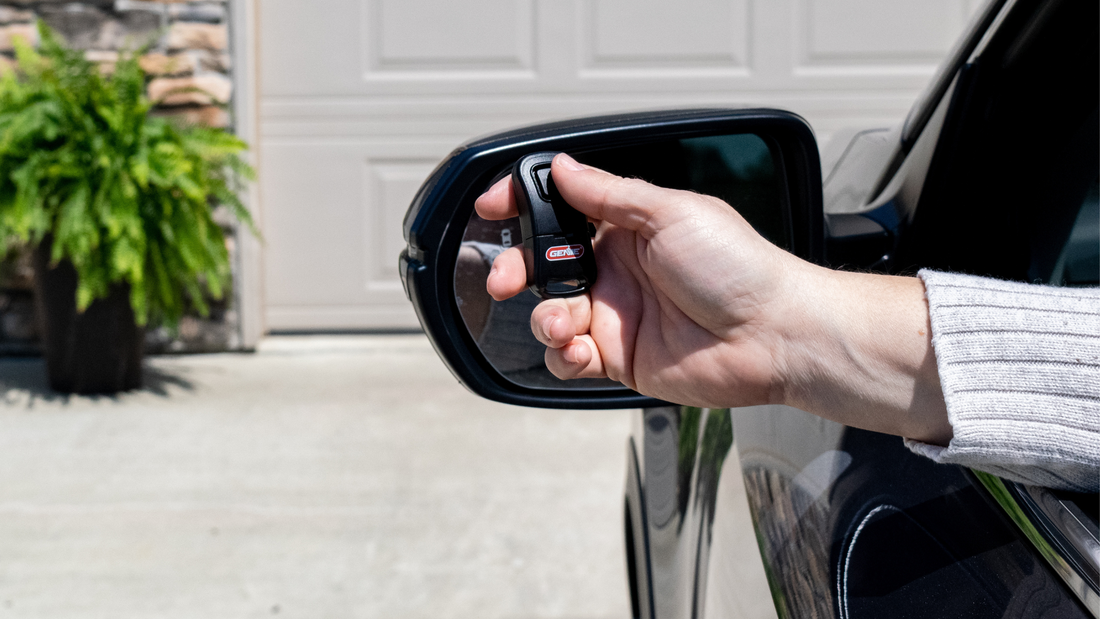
{"type": "Point", "coordinates": [1001, 182]}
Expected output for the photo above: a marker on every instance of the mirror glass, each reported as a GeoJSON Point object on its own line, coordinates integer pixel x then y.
{"type": "Point", "coordinates": [739, 169]}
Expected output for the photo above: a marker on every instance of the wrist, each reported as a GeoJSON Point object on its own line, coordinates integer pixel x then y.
{"type": "Point", "coordinates": [857, 350]}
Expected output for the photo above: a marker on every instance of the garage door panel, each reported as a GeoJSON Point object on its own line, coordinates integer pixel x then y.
{"type": "Point", "coordinates": [333, 231]}
{"type": "Point", "coordinates": [440, 48]}
{"type": "Point", "coordinates": [333, 216]}
{"type": "Point", "coordinates": [441, 38]}
{"type": "Point", "coordinates": [313, 223]}
{"type": "Point", "coordinates": [360, 98]}
{"type": "Point", "coordinates": [310, 48]}
{"type": "Point", "coordinates": [645, 34]}
{"type": "Point", "coordinates": [889, 36]}
{"type": "Point", "coordinates": [390, 186]}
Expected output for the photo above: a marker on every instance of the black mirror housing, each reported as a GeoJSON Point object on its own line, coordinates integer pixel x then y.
{"type": "Point", "coordinates": [435, 223]}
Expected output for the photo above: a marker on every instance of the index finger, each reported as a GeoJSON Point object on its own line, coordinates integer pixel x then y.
{"type": "Point", "coordinates": [498, 202]}
{"type": "Point", "coordinates": [628, 202]}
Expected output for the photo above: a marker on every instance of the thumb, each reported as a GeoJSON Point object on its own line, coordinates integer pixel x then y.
{"type": "Point", "coordinates": [626, 202]}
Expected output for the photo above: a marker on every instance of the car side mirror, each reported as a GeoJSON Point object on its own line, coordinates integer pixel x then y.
{"type": "Point", "coordinates": [762, 162]}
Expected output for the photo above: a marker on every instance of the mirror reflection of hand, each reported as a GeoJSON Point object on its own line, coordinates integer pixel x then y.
{"type": "Point", "coordinates": [688, 306]}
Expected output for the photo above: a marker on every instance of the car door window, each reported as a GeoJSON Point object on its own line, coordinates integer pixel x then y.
{"type": "Point", "coordinates": [1016, 163]}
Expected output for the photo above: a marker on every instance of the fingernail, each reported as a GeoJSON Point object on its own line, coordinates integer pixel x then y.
{"type": "Point", "coordinates": [547, 325]}
{"type": "Point", "coordinates": [569, 163]}
{"type": "Point", "coordinates": [569, 354]}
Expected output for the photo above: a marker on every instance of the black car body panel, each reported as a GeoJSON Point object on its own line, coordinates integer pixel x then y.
{"type": "Point", "coordinates": [671, 503]}
{"type": "Point", "coordinates": [857, 526]}
{"type": "Point", "coordinates": [849, 523]}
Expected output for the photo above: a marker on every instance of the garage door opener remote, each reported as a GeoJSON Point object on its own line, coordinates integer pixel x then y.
{"type": "Point", "coordinates": [557, 239]}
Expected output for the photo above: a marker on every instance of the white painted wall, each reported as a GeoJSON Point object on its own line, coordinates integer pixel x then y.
{"type": "Point", "coordinates": [360, 98]}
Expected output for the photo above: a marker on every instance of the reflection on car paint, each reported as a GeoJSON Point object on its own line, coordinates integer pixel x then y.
{"type": "Point", "coordinates": [684, 451]}
{"type": "Point", "coordinates": [889, 530]}
{"type": "Point", "coordinates": [792, 528]}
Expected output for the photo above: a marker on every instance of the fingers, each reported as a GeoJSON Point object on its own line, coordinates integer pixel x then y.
{"type": "Point", "coordinates": [508, 277]}
{"type": "Point", "coordinates": [499, 202]}
{"type": "Point", "coordinates": [556, 322]}
{"type": "Point", "coordinates": [628, 202]}
{"type": "Point", "coordinates": [577, 359]}
{"type": "Point", "coordinates": [562, 325]}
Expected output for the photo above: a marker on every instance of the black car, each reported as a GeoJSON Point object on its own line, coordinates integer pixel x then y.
{"type": "Point", "coordinates": [994, 172]}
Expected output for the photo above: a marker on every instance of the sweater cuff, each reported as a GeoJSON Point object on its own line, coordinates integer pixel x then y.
{"type": "Point", "coordinates": [1018, 365]}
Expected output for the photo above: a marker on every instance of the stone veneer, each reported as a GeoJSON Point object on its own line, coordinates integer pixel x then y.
{"type": "Point", "coordinates": [190, 73]}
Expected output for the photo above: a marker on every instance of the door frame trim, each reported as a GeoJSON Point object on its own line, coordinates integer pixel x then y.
{"type": "Point", "coordinates": [248, 289]}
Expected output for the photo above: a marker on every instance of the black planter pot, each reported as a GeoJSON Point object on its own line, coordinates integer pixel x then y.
{"type": "Point", "coordinates": [97, 351]}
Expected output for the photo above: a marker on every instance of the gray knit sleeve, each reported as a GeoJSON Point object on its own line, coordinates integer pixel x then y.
{"type": "Point", "coordinates": [1020, 370]}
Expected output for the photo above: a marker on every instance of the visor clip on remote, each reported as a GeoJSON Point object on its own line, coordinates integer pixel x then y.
{"type": "Point", "coordinates": [557, 239]}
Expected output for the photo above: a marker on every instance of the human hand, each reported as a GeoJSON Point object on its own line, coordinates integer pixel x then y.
{"type": "Point", "coordinates": [690, 303]}
{"type": "Point", "coordinates": [694, 307]}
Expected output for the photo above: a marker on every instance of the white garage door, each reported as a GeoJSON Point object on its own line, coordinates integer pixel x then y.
{"type": "Point", "coordinates": [360, 99]}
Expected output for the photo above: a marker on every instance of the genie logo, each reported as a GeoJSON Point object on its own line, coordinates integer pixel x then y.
{"type": "Point", "coordinates": [565, 252]}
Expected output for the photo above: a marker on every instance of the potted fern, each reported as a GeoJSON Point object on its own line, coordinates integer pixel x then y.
{"type": "Point", "coordinates": [118, 205]}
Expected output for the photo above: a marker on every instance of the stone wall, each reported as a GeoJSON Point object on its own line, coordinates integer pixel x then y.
{"type": "Point", "coordinates": [188, 62]}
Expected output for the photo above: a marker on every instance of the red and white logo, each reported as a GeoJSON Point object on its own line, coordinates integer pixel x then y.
{"type": "Point", "coordinates": [565, 252]}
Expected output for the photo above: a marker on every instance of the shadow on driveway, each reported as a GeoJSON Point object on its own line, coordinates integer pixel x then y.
{"type": "Point", "coordinates": [22, 375]}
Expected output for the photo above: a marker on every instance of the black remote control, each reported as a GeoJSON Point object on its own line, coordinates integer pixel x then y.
{"type": "Point", "coordinates": [557, 239]}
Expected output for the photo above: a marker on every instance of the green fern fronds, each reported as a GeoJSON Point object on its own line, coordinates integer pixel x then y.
{"type": "Point", "coordinates": [126, 197]}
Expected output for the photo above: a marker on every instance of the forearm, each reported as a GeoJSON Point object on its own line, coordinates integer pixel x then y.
{"type": "Point", "coordinates": [860, 353]}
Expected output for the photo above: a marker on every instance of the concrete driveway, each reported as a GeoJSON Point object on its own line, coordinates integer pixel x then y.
{"type": "Point", "coordinates": [320, 477]}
